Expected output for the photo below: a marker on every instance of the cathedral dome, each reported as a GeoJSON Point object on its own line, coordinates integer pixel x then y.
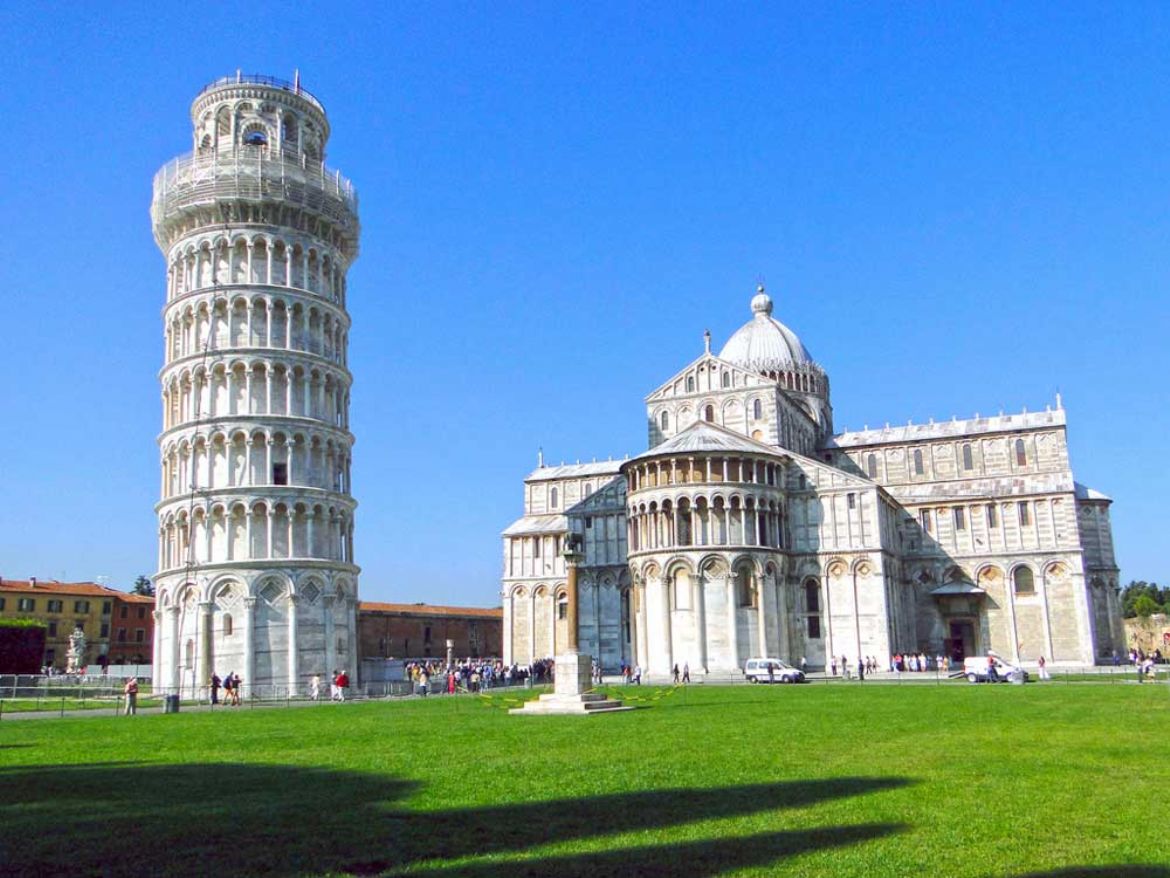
{"type": "Point", "coordinates": [765, 344]}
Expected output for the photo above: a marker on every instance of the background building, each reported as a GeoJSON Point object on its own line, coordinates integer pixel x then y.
{"type": "Point", "coordinates": [750, 528]}
{"type": "Point", "coordinates": [411, 631]}
{"type": "Point", "coordinates": [118, 627]}
{"type": "Point", "coordinates": [256, 571]}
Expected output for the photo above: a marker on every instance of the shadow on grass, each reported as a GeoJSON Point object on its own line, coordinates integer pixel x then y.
{"type": "Point", "coordinates": [1104, 872]}
{"type": "Point", "coordinates": [226, 819]}
{"type": "Point", "coordinates": [695, 859]}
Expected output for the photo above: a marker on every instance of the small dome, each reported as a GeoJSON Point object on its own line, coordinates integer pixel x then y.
{"type": "Point", "coordinates": [764, 344]}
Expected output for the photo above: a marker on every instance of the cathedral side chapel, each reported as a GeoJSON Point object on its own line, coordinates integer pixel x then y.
{"type": "Point", "coordinates": [750, 528]}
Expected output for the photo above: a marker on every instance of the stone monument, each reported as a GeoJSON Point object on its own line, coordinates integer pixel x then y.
{"type": "Point", "coordinates": [573, 675]}
{"type": "Point", "coordinates": [75, 656]}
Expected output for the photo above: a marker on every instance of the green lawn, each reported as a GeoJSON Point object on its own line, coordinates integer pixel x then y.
{"type": "Point", "coordinates": [946, 780]}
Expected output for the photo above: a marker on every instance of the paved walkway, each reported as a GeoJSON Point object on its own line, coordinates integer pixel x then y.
{"type": "Point", "coordinates": [153, 711]}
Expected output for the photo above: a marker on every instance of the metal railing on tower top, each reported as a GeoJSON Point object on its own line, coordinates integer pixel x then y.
{"type": "Point", "coordinates": [261, 79]}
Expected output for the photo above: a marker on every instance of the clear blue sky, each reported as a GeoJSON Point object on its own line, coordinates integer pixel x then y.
{"type": "Point", "coordinates": [957, 207]}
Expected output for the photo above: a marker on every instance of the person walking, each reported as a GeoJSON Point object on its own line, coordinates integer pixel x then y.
{"type": "Point", "coordinates": [315, 687]}
{"type": "Point", "coordinates": [131, 692]}
{"type": "Point", "coordinates": [686, 672]}
{"type": "Point", "coordinates": [1044, 675]}
{"type": "Point", "coordinates": [227, 688]}
{"type": "Point", "coordinates": [637, 675]}
{"type": "Point", "coordinates": [215, 684]}
{"type": "Point", "coordinates": [342, 685]}
{"type": "Point", "coordinates": [674, 673]}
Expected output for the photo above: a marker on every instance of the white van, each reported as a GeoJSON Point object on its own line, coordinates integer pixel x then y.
{"type": "Point", "coordinates": [756, 670]}
{"type": "Point", "coordinates": [977, 669]}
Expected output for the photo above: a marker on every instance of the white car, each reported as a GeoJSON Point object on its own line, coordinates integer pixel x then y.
{"type": "Point", "coordinates": [756, 670]}
{"type": "Point", "coordinates": [977, 669]}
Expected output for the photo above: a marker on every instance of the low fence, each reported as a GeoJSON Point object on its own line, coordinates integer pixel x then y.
{"type": "Point", "coordinates": [61, 695]}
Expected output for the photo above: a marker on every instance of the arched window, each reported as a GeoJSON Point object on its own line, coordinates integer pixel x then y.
{"type": "Point", "coordinates": [190, 653]}
{"type": "Point", "coordinates": [709, 414]}
{"type": "Point", "coordinates": [227, 624]}
{"type": "Point", "coordinates": [968, 459]}
{"type": "Point", "coordinates": [812, 597]}
{"type": "Point", "coordinates": [665, 420]}
{"type": "Point", "coordinates": [918, 470]}
{"type": "Point", "coordinates": [682, 590]}
{"type": "Point", "coordinates": [690, 384]}
{"type": "Point", "coordinates": [757, 410]}
{"type": "Point", "coordinates": [745, 589]}
{"type": "Point", "coordinates": [726, 379]}
{"type": "Point", "coordinates": [1021, 453]}
{"type": "Point", "coordinates": [1025, 582]}
{"type": "Point", "coordinates": [552, 498]}
{"type": "Point", "coordinates": [256, 138]}
{"type": "Point", "coordinates": [871, 465]}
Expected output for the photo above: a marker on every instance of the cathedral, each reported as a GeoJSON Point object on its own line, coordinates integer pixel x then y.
{"type": "Point", "coordinates": [750, 528]}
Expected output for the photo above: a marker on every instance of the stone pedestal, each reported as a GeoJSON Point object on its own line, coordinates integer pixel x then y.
{"type": "Point", "coordinates": [571, 695]}
{"type": "Point", "coordinates": [574, 674]}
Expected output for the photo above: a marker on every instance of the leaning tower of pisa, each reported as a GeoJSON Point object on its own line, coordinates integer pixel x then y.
{"type": "Point", "coordinates": [255, 556]}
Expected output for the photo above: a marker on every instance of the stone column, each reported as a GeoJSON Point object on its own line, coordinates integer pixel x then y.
{"type": "Point", "coordinates": [173, 642]}
{"type": "Point", "coordinates": [732, 632]}
{"type": "Point", "coordinates": [641, 644]}
{"type": "Point", "coordinates": [667, 635]}
{"type": "Point", "coordinates": [249, 645]}
{"type": "Point", "coordinates": [699, 611]}
{"type": "Point", "coordinates": [156, 669]}
{"type": "Point", "coordinates": [784, 648]}
{"type": "Point", "coordinates": [203, 655]}
{"type": "Point", "coordinates": [532, 627]}
{"type": "Point", "coordinates": [330, 642]}
{"type": "Point", "coordinates": [506, 646]}
{"type": "Point", "coordinates": [761, 614]}
{"type": "Point", "coordinates": [293, 654]}
{"type": "Point", "coordinates": [571, 616]}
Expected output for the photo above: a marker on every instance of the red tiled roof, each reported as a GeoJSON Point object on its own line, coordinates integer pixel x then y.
{"type": "Point", "coordinates": [430, 610]}
{"type": "Point", "coordinates": [91, 589]}
{"type": "Point", "coordinates": [132, 598]}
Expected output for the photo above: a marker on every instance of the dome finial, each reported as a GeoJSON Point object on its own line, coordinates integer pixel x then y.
{"type": "Point", "coordinates": [761, 301]}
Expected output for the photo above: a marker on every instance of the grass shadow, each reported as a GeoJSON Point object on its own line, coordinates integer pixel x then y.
{"type": "Point", "coordinates": [696, 859]}
{"type": "Point", "coordinates": [1116, 871]}
{"type": "Point", "coordinates": [228, 819]}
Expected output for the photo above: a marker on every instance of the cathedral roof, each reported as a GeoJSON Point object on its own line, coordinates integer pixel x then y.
{"type": "Point", "coordinates": [574, 470]}
{"type": "Point", "coordinates": [702, 436]}
{"type": "Point", "coordinates": [764, 344]}
{"type": "Point", "coordinates": [1084, 492]}
{"type": "Point", "coordinates": [537, 524]}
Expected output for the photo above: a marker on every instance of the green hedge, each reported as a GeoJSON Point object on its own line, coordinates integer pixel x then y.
{"type": "Point", "coordinates": [23, 623]}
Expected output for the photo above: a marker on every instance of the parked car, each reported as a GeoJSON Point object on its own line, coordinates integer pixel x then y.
{"type": "Point", "coordinates": [977, 669]}
{"type": "Point", "coordinates": [756, 670]}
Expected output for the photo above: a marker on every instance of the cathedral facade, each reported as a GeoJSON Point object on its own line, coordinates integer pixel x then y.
{"type": "Point", "coordinates": [751, 528]}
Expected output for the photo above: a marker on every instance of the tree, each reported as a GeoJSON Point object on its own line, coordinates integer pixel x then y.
{"type": "Point", "coordinates": [143, 585]}
{"type": "Point", "coordinates": [1139, 588]}
{"type": "Point", "coordinates": [1145, 606]}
